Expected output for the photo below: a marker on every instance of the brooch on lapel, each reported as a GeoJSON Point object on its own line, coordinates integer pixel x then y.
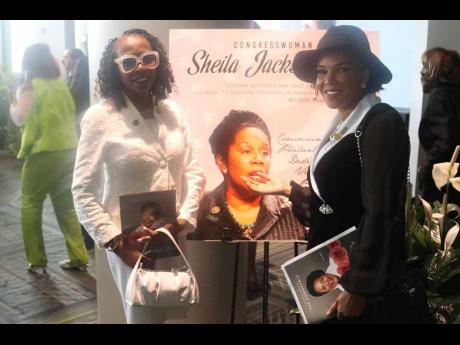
{"type": "Point", "coordinates": [326, 209]}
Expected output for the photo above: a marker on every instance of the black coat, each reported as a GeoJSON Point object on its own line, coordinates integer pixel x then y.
{"type": "Point", "coordinates": [78, 83]}
{"type": "Point", "coordinates": [371, 197]}
{"type": "Point", "coordinates": [439, 133]}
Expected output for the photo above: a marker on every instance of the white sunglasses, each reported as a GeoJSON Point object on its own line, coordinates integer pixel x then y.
{"type": "Point", "coordinates": [128, 63]}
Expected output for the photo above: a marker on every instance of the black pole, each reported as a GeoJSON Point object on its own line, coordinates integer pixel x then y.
{"type": "Point", "coordinates": [265, 296]}
{"type": "Point", "coordinates": [296, 252]}
{"type": "Point", "coordinates": [235, 282]}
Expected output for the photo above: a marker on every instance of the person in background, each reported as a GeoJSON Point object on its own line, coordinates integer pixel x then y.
{"type": "Point", "coordinates": [77, 77]}
{"type": "Point", "coordinates": [45, 111]}
{"type": "Point", "coordinates": [139, 141]}
{"type": "Point", "coordinates": [439, 129]}
{"type": "Point", "coordinates": [357, 177]}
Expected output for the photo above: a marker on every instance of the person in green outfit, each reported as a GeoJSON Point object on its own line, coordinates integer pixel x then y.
{"type": "Point", "coordinates": [45, 111]}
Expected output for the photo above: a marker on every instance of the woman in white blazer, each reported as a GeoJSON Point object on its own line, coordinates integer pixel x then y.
{"type": "Point", "coordinates": [135, 140]}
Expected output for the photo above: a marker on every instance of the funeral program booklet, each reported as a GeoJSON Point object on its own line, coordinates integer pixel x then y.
{"type": "Point", "coordinates": [150, 210]}
{"type": "Point", "coordinates": [314, 276]}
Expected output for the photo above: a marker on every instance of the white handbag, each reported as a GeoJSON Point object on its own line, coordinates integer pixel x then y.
{"type": "Point", "coordinates": [150, 288]}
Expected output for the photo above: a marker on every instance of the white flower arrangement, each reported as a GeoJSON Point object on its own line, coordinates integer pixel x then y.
{"type": "Point", "coordinates": [433, 231]}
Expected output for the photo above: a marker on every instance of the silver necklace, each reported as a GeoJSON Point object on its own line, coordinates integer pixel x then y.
{"type": "Point", "coordinates": [336, 134]}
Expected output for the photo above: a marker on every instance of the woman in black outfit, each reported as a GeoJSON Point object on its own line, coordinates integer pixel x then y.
{"type": "Point", "coordinates": [355, 186]}
{"type": "Point", "coordinates": [439, 130]}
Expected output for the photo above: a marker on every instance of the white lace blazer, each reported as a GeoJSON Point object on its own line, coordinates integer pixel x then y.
{"type": "Point", "coordinates": [121, 153]}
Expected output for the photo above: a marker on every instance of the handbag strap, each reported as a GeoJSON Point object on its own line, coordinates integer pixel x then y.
{"type": "Point", "coordinates": [376, 109]}
{"type": "Point", "coordinates": [195, 282]}
{"type": "Point", "coordinates": [167, 233]}
{"type": "Point", "coordinates": [382, 107]}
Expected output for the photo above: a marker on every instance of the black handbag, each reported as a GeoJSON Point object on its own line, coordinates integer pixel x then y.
{"type": "Point", "coordinates": [406, 303]}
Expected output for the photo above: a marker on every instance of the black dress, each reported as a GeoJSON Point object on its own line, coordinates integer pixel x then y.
{"type": "Point", "coordinates": [371, 197]}
{"type": "Point", "coordinates": [439, 133]}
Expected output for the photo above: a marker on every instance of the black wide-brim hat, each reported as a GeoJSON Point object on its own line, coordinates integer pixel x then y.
{"type": "Point", "coordinates": [335, 38]}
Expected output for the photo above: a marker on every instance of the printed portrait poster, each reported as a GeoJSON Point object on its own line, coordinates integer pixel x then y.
{"type": "Point", "coordinates": [150, 210]}
{"type": "Point", "coordinates": [313, 276]}
{"type": "Point", "coordinates": [217, 71]}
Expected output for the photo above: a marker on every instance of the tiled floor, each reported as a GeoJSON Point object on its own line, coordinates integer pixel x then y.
{"type": "Point", "coordinates": [59, 297]}
{"type": "Point", "coordinates": [280, 300]}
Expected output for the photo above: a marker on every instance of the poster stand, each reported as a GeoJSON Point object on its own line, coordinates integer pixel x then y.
{"type": "Point", "coordinates": [235, 282]}
{"type": "Point", "coordinates": [265, 282]}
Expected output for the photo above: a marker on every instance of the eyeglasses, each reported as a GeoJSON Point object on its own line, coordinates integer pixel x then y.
{"type": "Point", "coordinates": [128, 63]}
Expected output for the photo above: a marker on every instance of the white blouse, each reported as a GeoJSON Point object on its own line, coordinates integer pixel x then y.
{"type": "Point", "coordinates": [332, 269]}
{"type": "Point", "coordinates": [121, 153]}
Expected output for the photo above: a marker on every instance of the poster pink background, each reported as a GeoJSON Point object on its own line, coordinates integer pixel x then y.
{"type": "Point", "coordinates": [220, 70]}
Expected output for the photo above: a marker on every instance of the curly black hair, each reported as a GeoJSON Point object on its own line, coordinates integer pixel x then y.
{"type": "Point", "coordinates": [109, 84]}
{"type": "Point", "coordinates": [224, 133]}
{"type": "Point", "coordinates": [152, 204]}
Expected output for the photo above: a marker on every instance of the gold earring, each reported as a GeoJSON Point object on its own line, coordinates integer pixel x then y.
{"type": "Point", "coordinates": [225, 170]}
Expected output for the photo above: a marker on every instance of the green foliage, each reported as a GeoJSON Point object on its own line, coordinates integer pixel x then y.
{"type": "Point", "coordinates": [10, 136]}
{"type": "Point", "coordinates": [433, 236]}
{"type": "Point", "coordinates": [419, 238]}
{"type": "Point", "coordinates": [442, 266]}
{"type": "Point", "coordinates": [437, 206]}
{"type": "Point", "coordinates": [4, 106]}
{"type": "Point", "coordinates": [294, 311]}
{"type": "Point", "coordinates": [444, 312]}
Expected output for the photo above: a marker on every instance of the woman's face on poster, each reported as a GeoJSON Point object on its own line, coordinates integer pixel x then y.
{"type": "Point", "coordinates": [250, 152]}
{"type": "Point", "coordinates": [148, 217]}
{"type": "Point", "coordinates": [325, 283]}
